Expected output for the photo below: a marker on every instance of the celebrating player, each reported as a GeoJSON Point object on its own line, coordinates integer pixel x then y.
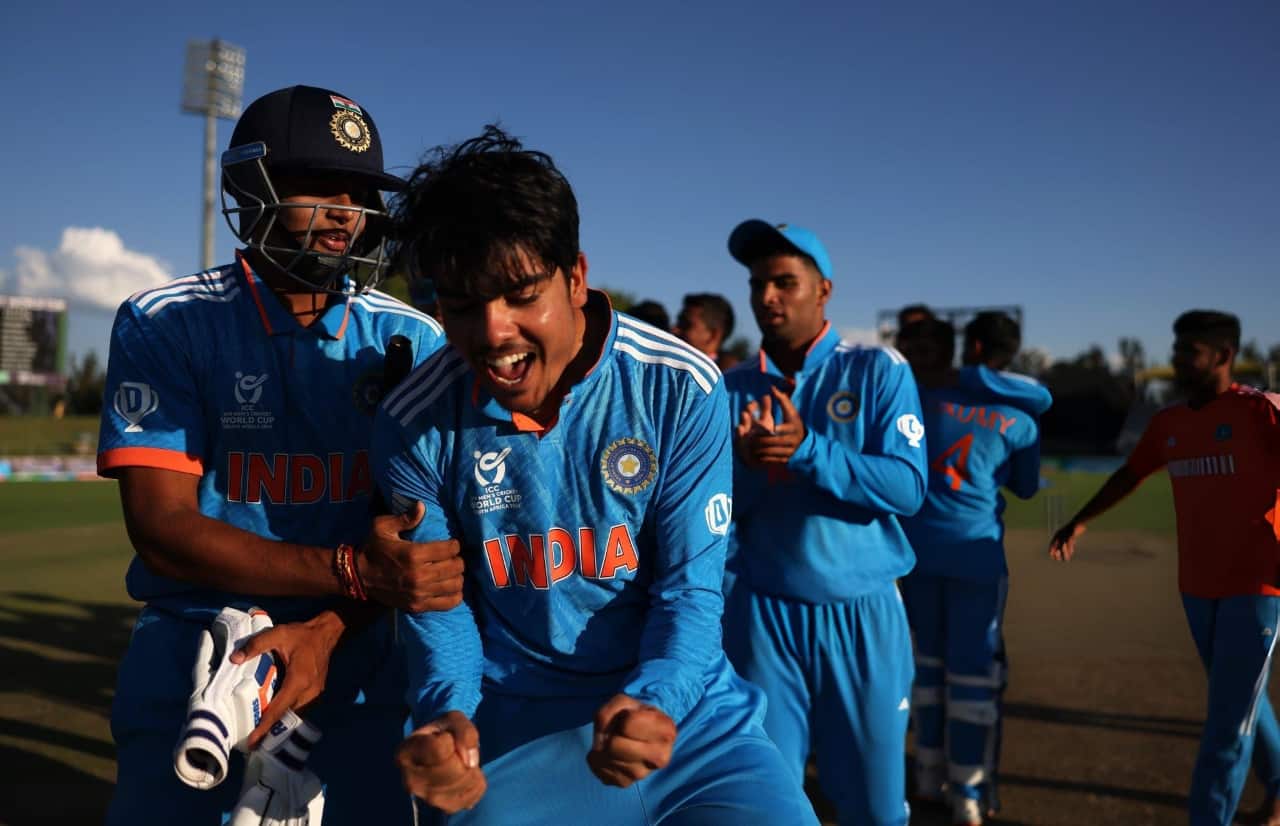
{"type": "Point", "coordinates": [955, 597]}
{"type": "Point", "coordinates": [1222, 449]}
{"type": "Point", "coordinates": [705, 322]}
{"type": "Point", "coordinates": [582, 459]}
{"type": "Point", "coordinates": [242, 401]}
{"type": "Point", "coordinates": [830, 450]}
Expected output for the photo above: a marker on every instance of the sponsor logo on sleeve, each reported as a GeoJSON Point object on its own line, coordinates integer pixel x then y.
{"type": "Point", "coordinates": [134, 401]}
{"type": "Point", "coordinates": [719, 513]}
{"type": "Point", "coordinates": [909, 426]}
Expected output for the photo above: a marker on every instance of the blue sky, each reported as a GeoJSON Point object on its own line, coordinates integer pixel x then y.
{"type": "Point", "coordinates": [1106, 165]}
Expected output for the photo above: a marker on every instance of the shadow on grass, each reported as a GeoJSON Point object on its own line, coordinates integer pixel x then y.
{"type": "Point", "coordinates": [1176, 801]}
{"type": "Point", "coordinates": [42, 790]}
{"type": "Point", "coordinates": [1138, 723]}
{"type": "Point", "coordinates": [60, 659]}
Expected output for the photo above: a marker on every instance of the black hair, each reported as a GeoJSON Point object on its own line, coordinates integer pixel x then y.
{"type": "Point", "coordinates": [651, 312]}
{"type": "Point", "coordinates": [471, 209]}
{"type": "Point", "coordinates": [921, 310]}
{"type": "Point", "coordinates": [717, 312]}
{"type": "Point", "coordinates": [1211, 327]}
{"type": "Point", "coordinates": [1000, 337]}
{"type": "Point", "coordinates": [941, 333]}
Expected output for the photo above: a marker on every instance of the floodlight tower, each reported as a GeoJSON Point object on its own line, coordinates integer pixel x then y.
{"type": "Point", "coordinates": [212, 84]}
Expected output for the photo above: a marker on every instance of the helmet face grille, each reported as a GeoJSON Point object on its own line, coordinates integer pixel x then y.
{"type": "Point", "coordinates": [255, 221]}
{"type": "Point", "coordinates": [314, 132]}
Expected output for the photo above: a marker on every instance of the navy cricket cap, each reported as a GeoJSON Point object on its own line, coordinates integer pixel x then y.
{"type": "Point", "coordinates": [306, 129]}
{"type": "Point", "coordinates": [749, 237]}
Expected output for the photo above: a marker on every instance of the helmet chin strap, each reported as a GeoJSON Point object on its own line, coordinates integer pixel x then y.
{"type": "Point", "coordinates": [311, 269]}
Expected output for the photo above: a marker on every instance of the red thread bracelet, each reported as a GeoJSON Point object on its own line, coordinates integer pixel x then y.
{"type": "Point", "coordinates": [344, 566]}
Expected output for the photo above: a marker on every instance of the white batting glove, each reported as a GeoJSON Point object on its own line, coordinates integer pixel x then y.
{"type": "Point", "coordinates": [227, 700]}
{"type": "Point", "coordinates": [278, 789]}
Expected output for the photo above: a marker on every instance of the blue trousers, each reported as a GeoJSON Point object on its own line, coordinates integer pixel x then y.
{"type": "Point", "coordinates": [960, 677]}
{"type": "Point", "coordinates": [361, 716]}
{"type": "Point", "coordinates": [1235, 637]}
{"type": "Point", "coordinates": [723, 769]}
{"type": "Point", "coordinates": [838, 676]}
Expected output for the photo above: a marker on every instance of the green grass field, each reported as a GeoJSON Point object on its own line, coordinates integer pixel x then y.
{"type": "Point", "coordinates": [45, 435]}
{"type": "Point", "coordinates": [1149, 509]}
{"type": "Point", "coordinates": [65, 620]}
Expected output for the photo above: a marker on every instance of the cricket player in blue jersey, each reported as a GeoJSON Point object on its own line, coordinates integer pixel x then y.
{"type": "Point", "coordinates": [955, 597]}
{"type": "Point", "coordinates": [830, 452]}
{"type": "Point", "coordinates": [240, 404]}
{"type": "Point", "coordinates": [582, 459]}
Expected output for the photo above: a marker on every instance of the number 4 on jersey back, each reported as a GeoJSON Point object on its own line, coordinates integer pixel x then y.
{"type": "Point", "coordinates": [953, 463]}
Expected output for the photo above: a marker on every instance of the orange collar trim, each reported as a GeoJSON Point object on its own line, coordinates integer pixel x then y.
{"type": "Point", "coordinates": [253, 290]}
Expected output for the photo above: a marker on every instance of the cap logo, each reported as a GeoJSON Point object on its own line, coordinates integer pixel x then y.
{"type": "Point", "coordinates": [350, 130]}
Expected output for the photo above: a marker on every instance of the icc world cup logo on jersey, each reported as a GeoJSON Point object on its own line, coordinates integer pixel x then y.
{"type": "Point", "coordinates": [491, 468]}
{"type": "Point", "coordinates": [249, 388]}
{"type": "Point", "coordinates": [134, 401]}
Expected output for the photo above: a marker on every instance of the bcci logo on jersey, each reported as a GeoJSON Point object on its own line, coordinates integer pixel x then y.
{"type": "Point", "coordinates": [490, 471]}
{"type": "Point", "coordinates": [134, 401]}
{"type": "Point", "coordinates": [842, 407]}
{"type": "Point", "coordinates": [248, 392]}
{"type": "Point", "coordinates": [628, 466]}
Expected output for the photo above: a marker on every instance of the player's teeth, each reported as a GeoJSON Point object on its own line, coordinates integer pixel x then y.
{"type": "Point", "coordinates": [503, 361]}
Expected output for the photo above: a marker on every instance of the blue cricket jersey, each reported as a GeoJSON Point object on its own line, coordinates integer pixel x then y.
{"type": "Point", "coordinates": [978, 442]}
{"type": "Point", "coordinates": [594, 549]}
{"type": "Point", "coordinates": [211, 375]}
{"type": "Point", "coordinates": [824, 528]}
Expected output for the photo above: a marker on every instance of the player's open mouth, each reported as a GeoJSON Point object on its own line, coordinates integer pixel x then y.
{"type": "Point", "coordinates": [510, 369]}
{"type": "Point", "coordinates": [335, 241]}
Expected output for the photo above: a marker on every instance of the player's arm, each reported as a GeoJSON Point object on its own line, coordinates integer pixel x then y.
{"type": "Point", "coordinates": [1145, 460]}
{"type": "Point", "coordinates": [1024, 472]}
{"type": "Point", "coordinates": [635, 730]}
{"type": "Point", "coordinates": [1022, 392]}
{"type": "Point", "coordinates": [152, 440]}
{"type": "Point", "coordinates": [1119, 485]}
{"type": "Point", "coordinates": [439, 761]}
{"type": "Point", "coordinates": [1024, 462]}
{"type": "Point", "coordinates": [174, 539]}
{"type": "Point", "coordinates": [889, 474]}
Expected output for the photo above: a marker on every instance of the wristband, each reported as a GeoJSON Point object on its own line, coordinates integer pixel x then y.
{"type": "Point", "coordinates": [344, 567]}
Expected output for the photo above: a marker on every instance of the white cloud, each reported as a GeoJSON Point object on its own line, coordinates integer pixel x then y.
{"type": "Point", "coordinates": [860, 335]}
{"type": "Point", "coordinates": [91, 268]}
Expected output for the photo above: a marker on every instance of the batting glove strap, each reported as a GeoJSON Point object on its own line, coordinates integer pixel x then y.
{"type": "Point", "coordinates": [278, 789]}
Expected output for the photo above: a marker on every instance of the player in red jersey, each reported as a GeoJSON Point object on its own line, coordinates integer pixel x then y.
{"type": "Point", "coordinates": [1222, 449]}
